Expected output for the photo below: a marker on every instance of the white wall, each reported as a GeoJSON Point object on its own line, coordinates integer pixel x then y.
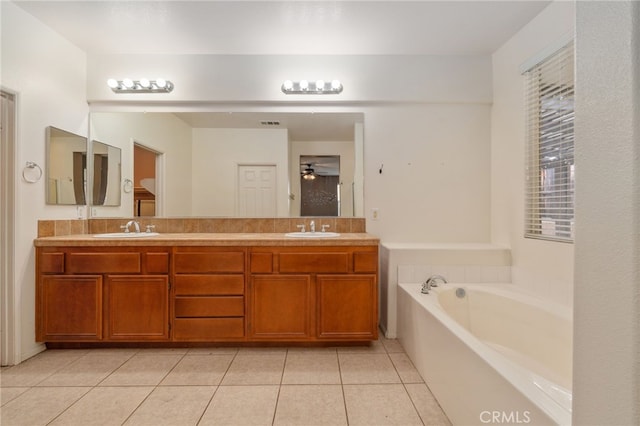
{"type": "Point", "coordinates": [344, 149]}
{"type": "Point", "coordinates": [216, 156]}
{"type": "Point", "coordinates": [49, 76]}
{"type": "Point", "coordinates": [163, 133]}
{"type": "Point", "coordinates": [541, 266]}
{"type": "Point", "coordinates": [251, 78]}
{"type": "Point", "coordinates": [435, 180]}
{"type": "Point", "coordinates": [606, 379]}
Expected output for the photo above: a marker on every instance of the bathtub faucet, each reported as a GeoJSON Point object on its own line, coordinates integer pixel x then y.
{"type": "Point", "coordinates": [432, 281]}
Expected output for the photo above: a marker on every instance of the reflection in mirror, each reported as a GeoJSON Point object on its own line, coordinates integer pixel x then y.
{"type": "Point", "coordinates": [320, 186]}
{"type": "Point", "coordinates": [208, 158]}
{"type": "Point", "coordinates": [66, 167]}
{"type": "Point", "coordinates": [106, 175]}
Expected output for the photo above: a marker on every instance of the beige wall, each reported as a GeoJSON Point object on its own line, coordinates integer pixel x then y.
{"type": "Point", "coordinates": [48, 75]}
{"type": "Point", "coordinates": [546, 268]}
{"type": "Point", "coordinates": [216, 156]}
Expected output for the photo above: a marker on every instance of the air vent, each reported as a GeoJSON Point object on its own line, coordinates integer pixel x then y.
{"type": "Point", "coordinates": [269, 122]}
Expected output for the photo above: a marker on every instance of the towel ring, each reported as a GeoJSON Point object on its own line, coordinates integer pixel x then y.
{"type": "Point", "coordinates": [29, 166]}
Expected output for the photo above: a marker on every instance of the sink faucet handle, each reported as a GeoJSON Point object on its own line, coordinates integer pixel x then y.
{"type": "Point", "coordinates": [324, 227]}
{"type": "Point", "coordinates": [150, 227]}
{"type": "Point", "coordinates": [300, 227]}
{"type": "Point", "coordinates": [125, 228]}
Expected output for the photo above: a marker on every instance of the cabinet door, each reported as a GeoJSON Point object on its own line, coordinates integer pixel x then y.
{"type": "Point", "coordinates": [348, 307]}
{"type": "Point", "coordinates": [137, 307]}
{"type": "Point", "coordinates": [70, 308]}
{"type": "Point", "coordinates": [281, 307]}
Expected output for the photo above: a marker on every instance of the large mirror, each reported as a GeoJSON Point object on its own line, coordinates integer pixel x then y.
{"type": "Point", "coordinates": [66, 167]}
{"type": "Point", "coordinates": [237, 164]}
{"type": "Point", "coordinates": [107, 174]}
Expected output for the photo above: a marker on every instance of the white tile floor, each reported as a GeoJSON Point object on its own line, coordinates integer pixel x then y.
{"type": "Point", "coordinates": [373, 385]}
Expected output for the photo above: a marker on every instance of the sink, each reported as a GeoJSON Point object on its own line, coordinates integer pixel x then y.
{"type": "Point", "coordinates": [127, 235]}
{"type": "Point", "coordinates": [312, 234]}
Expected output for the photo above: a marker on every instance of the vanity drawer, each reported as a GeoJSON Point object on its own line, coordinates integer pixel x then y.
{"type": "Point", "coordinates": [314, 262]}
{"type": "Point", "coordinates": [365, 261]}
{"type": "Point", "coordinates": [207, 329]}
{"type": "Point", "coordinates": [208, 285]}
{"type": "Point", "coordinates": [51, 263]}
{"type": "Point", "coordinates": [209, 262]}
{"type": "Point", "coordinates": [103, 263]}
{"type": "Point", "coordinates": [227, 306]}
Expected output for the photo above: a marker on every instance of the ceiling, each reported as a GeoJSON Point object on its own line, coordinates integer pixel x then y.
{"type": "Point", "coordinates": [300, 126]}
{"type": "Point", "coordinates": [286, 27]}
{"type": "Point", "coordinates": [266, 27]}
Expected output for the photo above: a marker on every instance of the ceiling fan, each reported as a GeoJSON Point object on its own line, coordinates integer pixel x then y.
{"type": "Point", "coordinates": [308, 173]}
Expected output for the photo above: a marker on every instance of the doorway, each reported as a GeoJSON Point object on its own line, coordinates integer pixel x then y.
{"type": "Point", "coordinates": [319, 185]}
{"type": "Point", "coordinates": [145, 181]}
{"type": "Point", "coordinates": [8, 312]}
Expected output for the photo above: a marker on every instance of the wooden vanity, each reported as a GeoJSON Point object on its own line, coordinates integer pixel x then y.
{"type": "Point", "coordinates": [205, 288]}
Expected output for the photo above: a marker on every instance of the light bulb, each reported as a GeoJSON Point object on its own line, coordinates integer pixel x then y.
{"type": "Point", "coordinates": [113, 83]}
{"type": "Point", "coordinates": [288, 85]}
{"type": "Point", "coordinates": [336, 85]}
{"type": "Point", "coordinates": [304, 84]}
{"type": "Point", "coordinates": [161, 83]}
{"type": "Point", "coordinates": [320, 85]}
{"type": "Point", "coordinates": [145, 83]}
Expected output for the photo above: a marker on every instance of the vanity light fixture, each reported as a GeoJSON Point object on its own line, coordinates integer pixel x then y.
{"type": "Point", "coordinates": [305, 87]}
{"type": "Point", "coordinates": [126, 85]}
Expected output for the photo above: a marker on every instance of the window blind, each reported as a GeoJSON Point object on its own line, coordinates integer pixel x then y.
{"type": "Point", "coordinates": [549, 163]}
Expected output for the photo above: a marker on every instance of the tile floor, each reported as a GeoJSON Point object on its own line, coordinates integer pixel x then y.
{"type": "Point", "coordinates": [373, 385]}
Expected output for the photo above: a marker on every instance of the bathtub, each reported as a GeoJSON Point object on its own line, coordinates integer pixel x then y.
{"type": "Point", "coordinates": [488, 353]}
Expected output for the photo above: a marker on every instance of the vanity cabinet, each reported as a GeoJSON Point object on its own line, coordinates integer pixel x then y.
{"type": "Point", "coordinates": [208, 293]}
{"type": "Point", "coordinates": [313, 293]}
{"type": "Point", "coordinates": [180, 293]}
{"type": "Point", "coordinates": [102, 294]}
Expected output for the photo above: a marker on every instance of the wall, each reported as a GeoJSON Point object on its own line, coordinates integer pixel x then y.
{"type": "Point", "coordinates": [545, 268]}
{"type": "Point", "coordinates": [216, 156]}
{"type": "Point", "coordinates": [607, 267]}
{"type": "Point", "coordinates": [48, 74]}
{"type": "Point", "coordinates": [162, 133]}
{"type": "Point", "coordinates": [258, 78]}
{"type": "Point", "coordinates": [435, 161]}
{"type": "Point", "coordinates": [344, 149]}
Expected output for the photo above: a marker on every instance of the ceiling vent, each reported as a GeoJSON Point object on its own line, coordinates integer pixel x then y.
{"type": "Point", "coordinates": [269, 122]}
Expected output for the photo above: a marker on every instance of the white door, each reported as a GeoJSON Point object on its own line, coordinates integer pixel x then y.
{"type": "Point", "coordinates": [256, 191]}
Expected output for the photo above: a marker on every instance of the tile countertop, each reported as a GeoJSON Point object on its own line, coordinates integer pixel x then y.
{"type": "Point", "coordinates": [208, 239]}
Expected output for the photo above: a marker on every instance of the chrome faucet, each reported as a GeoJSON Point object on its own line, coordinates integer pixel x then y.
{"type": "Point", "coordinates": [136, 226]}
{"type": "Point", "coordinates": [431, 282]}
{"type": "Point", "coordinates": [312, 225]}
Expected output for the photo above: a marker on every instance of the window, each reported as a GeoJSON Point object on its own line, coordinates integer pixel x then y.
{"type": "Point", "coordinates": [550, 168]}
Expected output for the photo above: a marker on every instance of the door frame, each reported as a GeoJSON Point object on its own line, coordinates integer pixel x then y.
{"type": "Point", "coordinates": [160, 170]}
{"type": "Point", "coordinates": [9, 320]}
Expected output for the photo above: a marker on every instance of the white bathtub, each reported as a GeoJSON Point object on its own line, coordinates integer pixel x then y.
{"type": "Point", "coordinates": [492, 356]}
